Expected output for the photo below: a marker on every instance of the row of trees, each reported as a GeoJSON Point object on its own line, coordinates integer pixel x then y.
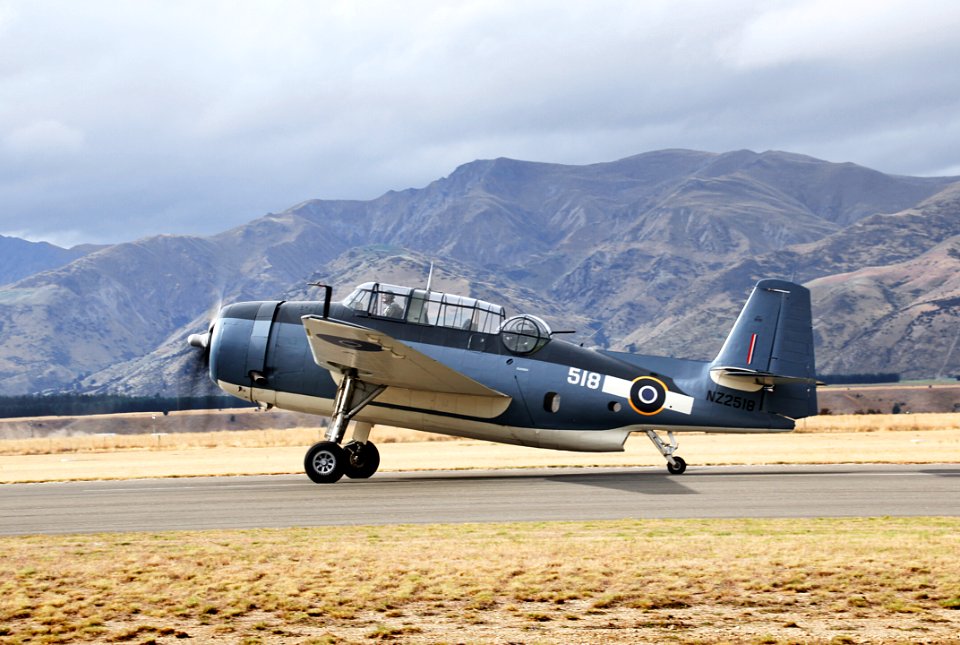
{"type": "Point", "coordinates": [848, 379]}
{"type": "Point", "coordinates": [72, 404]}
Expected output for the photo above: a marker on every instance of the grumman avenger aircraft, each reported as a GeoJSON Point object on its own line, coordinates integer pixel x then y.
{"type": "Point", "coordinates": [437, 362]}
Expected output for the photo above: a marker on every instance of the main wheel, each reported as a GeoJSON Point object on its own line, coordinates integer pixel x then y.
{"type": "Point", "coordinates": [363, 459]}
{"type": "Point", "coordinates": [325, 462]}
{"type": "Point", "coordinates": [677, 469]}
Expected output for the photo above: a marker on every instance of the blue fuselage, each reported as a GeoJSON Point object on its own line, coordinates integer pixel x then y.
{"type": "Point", "coordinates": [260, 351]}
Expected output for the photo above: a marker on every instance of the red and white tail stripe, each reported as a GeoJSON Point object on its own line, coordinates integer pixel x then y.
{"type": "Point", "coordinates": [753, 344]}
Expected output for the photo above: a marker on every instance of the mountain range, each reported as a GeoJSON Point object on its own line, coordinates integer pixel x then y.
{"type": "Point", "coordinates": [654, 253]}
{"type": "Point", "coordinates": [20, 258]}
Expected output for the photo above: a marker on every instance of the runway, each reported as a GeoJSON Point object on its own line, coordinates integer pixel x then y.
{"type": "Point", "coordinates": [481, 496]}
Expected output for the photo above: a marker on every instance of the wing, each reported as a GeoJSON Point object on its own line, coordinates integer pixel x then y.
{"type": "Point", "coordinates": [413, 378]}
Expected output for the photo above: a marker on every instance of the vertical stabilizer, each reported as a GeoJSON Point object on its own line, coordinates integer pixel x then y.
{"type": "Point", "coordinates": [771, 347]}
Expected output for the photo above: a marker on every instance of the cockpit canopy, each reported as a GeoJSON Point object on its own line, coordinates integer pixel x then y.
{"type": "Point", "coordinates": [424, 307]}
{"type": "Point", "coordinates": [525, 334]}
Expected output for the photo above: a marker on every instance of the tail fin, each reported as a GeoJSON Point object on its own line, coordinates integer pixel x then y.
{"type": "Point", "coordinates": [771, 347]}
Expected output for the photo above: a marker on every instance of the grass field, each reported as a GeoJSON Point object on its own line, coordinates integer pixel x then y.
{"type": "Point", "coordinates": [685, 581]}
{"type": "Point", "coordinates": [760, 581]}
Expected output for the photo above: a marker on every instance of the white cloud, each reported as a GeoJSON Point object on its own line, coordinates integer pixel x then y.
{"type": "Point", "coordinates": [840, 32]}
{"type": "Point", "coordinates": [44, 138]}
{"type": "Point", "coordinates": [175, 116]}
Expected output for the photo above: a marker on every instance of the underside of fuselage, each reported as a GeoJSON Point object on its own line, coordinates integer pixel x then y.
{"type": "Point", "coordinates": [579, 440]}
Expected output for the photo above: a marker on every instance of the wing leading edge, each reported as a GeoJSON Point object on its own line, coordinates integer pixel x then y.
{"type": "Point", "coordinates": [413, 379]}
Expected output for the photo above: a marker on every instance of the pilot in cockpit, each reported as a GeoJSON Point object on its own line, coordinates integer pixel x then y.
{"type": "Point", "coordinates": [391, 308]}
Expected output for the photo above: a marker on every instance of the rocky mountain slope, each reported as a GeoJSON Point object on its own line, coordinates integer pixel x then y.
{"type": "Point", "coordinates": [654, 253]}
{"type": "Point", "coordinates": [912, 249]}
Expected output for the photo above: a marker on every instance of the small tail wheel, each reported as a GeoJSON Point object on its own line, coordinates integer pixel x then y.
{"type": "Point", "coordinates": [677, 467]}
{"type": "Point", "coordinates": [325, 462]}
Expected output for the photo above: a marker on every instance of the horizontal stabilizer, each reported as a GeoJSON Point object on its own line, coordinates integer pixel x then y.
{"type": "Point", "coordinates": [738, 378]}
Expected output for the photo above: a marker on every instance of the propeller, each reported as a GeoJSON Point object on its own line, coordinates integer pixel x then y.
{"type": "Point", "coordinates": [201, 361]}
{"type": "Point", "coordinates": [202, 341]}
{"type": "Point", "coordinates": [194, 379]}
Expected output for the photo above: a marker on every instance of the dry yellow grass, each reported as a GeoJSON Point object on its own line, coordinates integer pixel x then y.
{"type": "Point", "coordinates": [880, 422]}
{"type": "Point", "coordinates": [873, 439]}
{"type": "Point", "coordinates": [268, 438]}
{"type": "Point", "coordinates": [304, 436]}
{"type": "Point", "coordinates": [770, 581]}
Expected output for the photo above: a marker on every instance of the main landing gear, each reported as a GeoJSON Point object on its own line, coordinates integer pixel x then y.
{"type": "Point", "coordinates": [327, 461]}
{"type": "Point", "coordinates": [676, 465]}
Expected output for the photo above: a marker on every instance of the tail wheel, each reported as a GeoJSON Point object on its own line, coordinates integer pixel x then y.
{"type": "Point", "coordinates": [325, 462]}
{"type": "Point", "coordinates": [362, 461]}
{"type": "Point", "coordinates": [677, 467]}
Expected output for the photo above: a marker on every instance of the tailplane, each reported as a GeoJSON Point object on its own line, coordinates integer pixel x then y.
{"type": "Point", "coordinates": [771, 348]}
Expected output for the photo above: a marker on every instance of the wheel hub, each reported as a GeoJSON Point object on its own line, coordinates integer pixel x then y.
{"type": "Point", "coordinates": [324, 462]}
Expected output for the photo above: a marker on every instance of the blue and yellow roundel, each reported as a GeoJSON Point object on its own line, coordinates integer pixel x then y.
{"type": "Point", "coordinates": [647, 395]}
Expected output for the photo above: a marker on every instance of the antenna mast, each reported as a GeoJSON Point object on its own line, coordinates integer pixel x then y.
{"type": "Point", "coordinates": [430, 276]}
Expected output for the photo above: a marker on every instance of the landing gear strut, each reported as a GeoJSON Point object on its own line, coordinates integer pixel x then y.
{"type": "Point", "coordinates": [675, 465]}
{"type": "Point", "coordinates": [326, 462]}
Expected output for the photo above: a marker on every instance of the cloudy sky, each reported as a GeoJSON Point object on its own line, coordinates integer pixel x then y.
{"type": "Point", "coordinates": [124, 119]}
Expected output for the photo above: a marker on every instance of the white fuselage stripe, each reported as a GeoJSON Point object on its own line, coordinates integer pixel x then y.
{"type": "Point", "coordinates": [675, 401]}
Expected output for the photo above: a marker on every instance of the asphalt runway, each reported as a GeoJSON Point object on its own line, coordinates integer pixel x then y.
{"type": "Point", "coordinates": [481, 496]}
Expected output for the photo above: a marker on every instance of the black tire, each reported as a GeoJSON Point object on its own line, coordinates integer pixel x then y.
{"type": "Point", "coordinates": [680, 466]}
{"type": "Point", "coordinates": [362, 461]}
{"type": "Point", "coordinates": [325, 462]}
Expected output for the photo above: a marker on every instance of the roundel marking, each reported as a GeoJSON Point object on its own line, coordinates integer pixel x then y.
{"type": "Point", "coordinates": [647, 395]}
{"type": "Point", "coordinates": [350, 343]}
